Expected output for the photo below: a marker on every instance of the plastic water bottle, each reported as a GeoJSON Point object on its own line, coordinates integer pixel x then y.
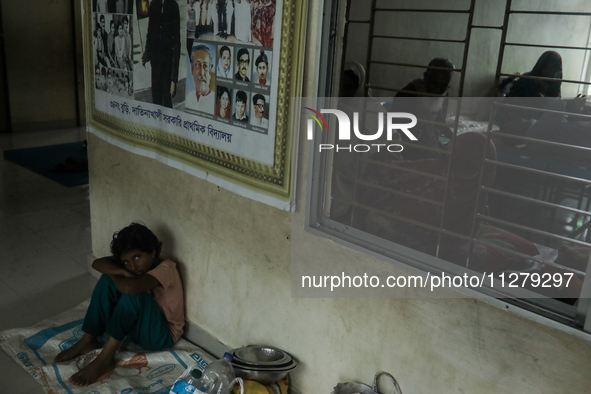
{"type": "Point", "coordinates": [217, 377]}
{"type": "Point", "coordinates": [187, 384]}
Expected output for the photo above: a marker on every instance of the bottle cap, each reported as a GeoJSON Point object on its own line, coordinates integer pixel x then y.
{"type": "Point", "coordinates": [196, 374]}
{"type": "Point", "coordinates": [229, 356]}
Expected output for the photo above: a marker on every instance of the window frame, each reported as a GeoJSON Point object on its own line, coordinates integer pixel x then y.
{"type": "Point", "coordinates": [576, 320]}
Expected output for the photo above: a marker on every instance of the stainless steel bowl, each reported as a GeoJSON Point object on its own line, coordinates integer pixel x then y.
{"type": "Point", "coordinates": [244, 365]}
{"type": "Point", "coordinates": [267, 368]}
{"type": "Point", "coordinates": [261, 355]}
{"type": "Point", "coordinates": [264, 376]}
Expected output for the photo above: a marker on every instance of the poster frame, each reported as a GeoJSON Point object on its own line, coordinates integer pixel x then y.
{"type": "Point", "coordinates": [274, 180]}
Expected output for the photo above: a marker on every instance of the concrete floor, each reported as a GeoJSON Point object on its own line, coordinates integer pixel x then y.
{"type": "Point", "coordinates": [44, 243]}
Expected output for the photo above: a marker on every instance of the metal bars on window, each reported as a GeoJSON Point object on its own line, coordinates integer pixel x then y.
{"type": "Point", "coordinates": [553, 181]}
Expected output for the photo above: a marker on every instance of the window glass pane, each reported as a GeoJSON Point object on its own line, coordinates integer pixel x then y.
{"type": "Point", "coordinates": [500, 185]}
{"type": "Point", "coordinates": [473, 193]}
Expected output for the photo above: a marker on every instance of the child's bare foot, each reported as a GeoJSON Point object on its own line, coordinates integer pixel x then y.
{"type": "Point", "coordinates": [102, 364]}
{"type": "Point", "coordinates": [90, 374]}
{"type": "Point", "coordinates": [86, 344]}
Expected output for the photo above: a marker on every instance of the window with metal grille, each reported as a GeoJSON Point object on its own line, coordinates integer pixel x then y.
{"type": "Point", "coordinates": [528, 208]}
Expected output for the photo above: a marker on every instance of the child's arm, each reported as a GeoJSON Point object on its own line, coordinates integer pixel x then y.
{"type": "Point", "coordinates": [105, 265]}
{"type": "Point", "coordinates": [136, 285]}
{"type": "Point", "coordinates": [126, 281]}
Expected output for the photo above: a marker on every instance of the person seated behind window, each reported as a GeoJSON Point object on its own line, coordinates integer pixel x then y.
{"type": "Point", "coordinates": [549, 65]}
{"type": "Point", "coordinates": [516, 121]}
{"type": "Point", "coordinates": [435, 81]}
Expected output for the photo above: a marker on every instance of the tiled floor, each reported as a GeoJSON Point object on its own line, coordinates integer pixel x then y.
{"type": "Point", "coordinates": [44, 244]}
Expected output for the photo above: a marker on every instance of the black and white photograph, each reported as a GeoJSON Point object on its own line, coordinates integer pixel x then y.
{"type": "Point", "coordinates": [260, 110]}
{"type": "Point", "coordinates": [157, 54]}
{"type": "Point", "coordinates": [243, 64]}
{"type": "Point", "coordinates": [241, 106]}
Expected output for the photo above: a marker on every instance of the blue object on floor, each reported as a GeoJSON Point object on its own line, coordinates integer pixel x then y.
{"type": "Point", "coordinates": [43, 158]}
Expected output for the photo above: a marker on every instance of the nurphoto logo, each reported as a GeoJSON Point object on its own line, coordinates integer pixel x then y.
{"type": "Point", "coordinates": [344, 133]}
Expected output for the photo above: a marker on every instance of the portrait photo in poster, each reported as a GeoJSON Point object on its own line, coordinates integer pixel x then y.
{"type": "Point", "coordinates": [225, 67]}
{"type": "Point", "coordinates": [241, 100]}
{"type": "Point", "coordinates": [260, 111]}
{"type": "Point", "coordinates": [223, 107]}
{"type": "Point", "coordinates": [243, 61]}
{"type": "Point", "coordinates": [261, 73]}
{"type": "Point", "coordinates": [198, 74]}
{"type": "Point", "coordinates": [201, 96]}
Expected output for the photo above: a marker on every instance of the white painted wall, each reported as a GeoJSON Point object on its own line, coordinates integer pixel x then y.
{"type": "Point", "coordinates": [235, 259]}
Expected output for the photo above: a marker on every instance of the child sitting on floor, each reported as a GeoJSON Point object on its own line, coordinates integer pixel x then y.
{"type": "Point", "coordinates": [139, 296]}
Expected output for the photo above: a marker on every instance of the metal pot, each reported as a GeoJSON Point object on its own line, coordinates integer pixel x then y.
{"type": "Point", "coordinates": [354, 388]}
{"type": "Point", "coordinates": [261, 376]}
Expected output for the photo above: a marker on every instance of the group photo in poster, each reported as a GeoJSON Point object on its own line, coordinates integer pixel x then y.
{"type": "Point", "coordinates": [234, 21]}
{"type": "Point", "coordinates": [142, 56]}
{"type": "Point", "coordinates": [200, 69]}
{"type": "Point", "coordinates": [112, 53]}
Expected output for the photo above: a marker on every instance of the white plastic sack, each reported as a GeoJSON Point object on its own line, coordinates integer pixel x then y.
{"type": "Point", "coordinates": [138, 371]}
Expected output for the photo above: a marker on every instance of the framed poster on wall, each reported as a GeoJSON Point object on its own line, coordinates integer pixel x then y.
{"type": "Point", "coordinates": [206, 82]}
